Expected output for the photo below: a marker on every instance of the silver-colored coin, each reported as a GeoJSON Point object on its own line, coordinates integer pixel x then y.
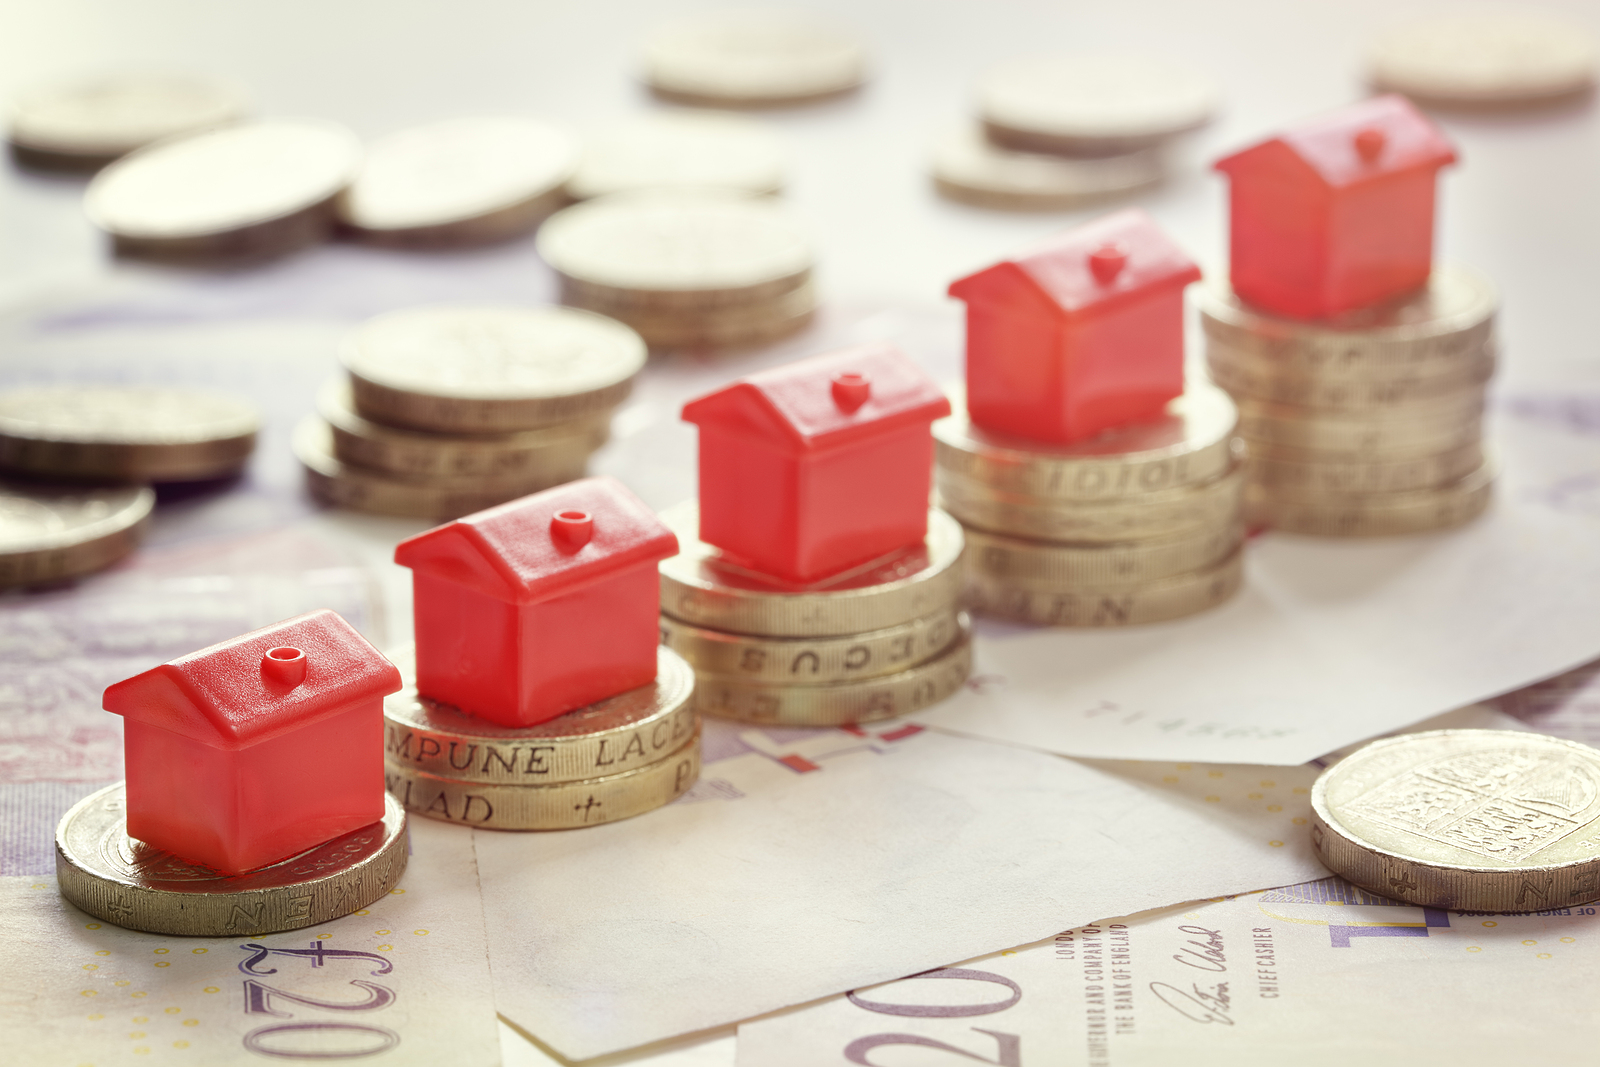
{"type": "Point", "coordinates": [968, 167]}
{"type": "Point", "coordinates": [1044, 603]}
{"type": "Point", "coordinates": [1504, 57]}
{"type": "Point", "coordinates": [89, 122]}
{"type": "Point", "coordinates": [681, 149]}
{"type": "Point", "coordinates": [558, 806]}
{"type": "Point", "coordinates": [459, 182]}
{"type": "Point", "coordinates": [677, 241]}
{"type": "Point", "coordinates": [1408, 430]}
{"type": "Point", "coordinates": [255, 187]}
{"type": "Point", "coordinates": [361, 489]}
{"type": "Point", "coordinates": [103, 871]}
{"type": "Point", "coordinates": [812, 660]}
{"type": "Point", "coordinates": [1472, 820]}
{"type": "Point", "coordinates": [124, 433]}
{"type": "Point", "coordinates": [1372, 514]}
{"type": "Point", "coordinates": [1192, 443]}
{"type": "Point", "coordinates": [472, 369]}
{"type": "Point", "coordinates": [545, 452]}
{"type": "Point", "coordinates": [1313, 476]}
{"type": "Point", "coordinates": [699, 587]}
{"type": "Point", "coordinates": [1194, 508]}
{"type": "Point", "coordinates": [51, 533]}
{"type": "Point", "coordinates": [752, 57]}
{"type": "Point", "coordinates": [728, 325]}
{"type": "Point", "coordinates": [1092, 104]}
{"type": "Point", "coordinates": [837, 703]}
{"type": "Point", "coordinates": [1096, 564]}
{"type": "Point", "coordinates": [1244, 378]}
{"type": "Point", "coordinates": [620, 733]}
{"type": "Point", "coordinates": [1445, 328]}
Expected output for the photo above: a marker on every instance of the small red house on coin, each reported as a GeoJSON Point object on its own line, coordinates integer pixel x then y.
{"type": "Point", "coordinates": [816, 466]}
{"type": "Point", "coordinates": [1337, 213]}
{"type": "Point", "coordinates": [253, 750]}
{"type": "Point", "coordinates": [1080, 335]}
{"type": "Point", "coordinates": [540, 605]}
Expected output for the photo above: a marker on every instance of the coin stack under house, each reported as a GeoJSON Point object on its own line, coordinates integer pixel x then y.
{"type": "Point", "coordinates": [1139, 524]}
{"type": "Point", "coordinates": [620, 757]}
{"type": "Point", "coordinates": [450, 410]}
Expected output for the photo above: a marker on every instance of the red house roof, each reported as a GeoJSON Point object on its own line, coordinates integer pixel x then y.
{"type": "Point", "coordinates": [828, 400]}
{"type": "Point", "coordinates": [222, 696]}
{"type": "Point", "coordinates": [1111, 260]}
{"type": "Point", "coordinates": [523, 552]}
{"type": "Point", "coordinates": [1376, 137]}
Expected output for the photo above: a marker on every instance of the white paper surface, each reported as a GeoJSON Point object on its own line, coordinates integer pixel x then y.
{"type": "Point", "coordinates": [413, 988]}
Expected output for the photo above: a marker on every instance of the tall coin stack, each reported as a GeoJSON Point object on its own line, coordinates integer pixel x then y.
{"type": "Point", "coordinates": [1139, 524]}
{"type": "Point", "coordinates": [686, 268]}
{"type": "Point", "coordinates": [1367, 424]}
{"type": "Point", "coordinates": [450, 410]}
{"type": "Point", "coordinates": [616, 758]}
{"type": "Point", "coordinates": [874, 642]}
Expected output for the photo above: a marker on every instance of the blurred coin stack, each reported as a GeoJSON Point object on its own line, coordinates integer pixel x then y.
{"type": "Point", "coordinates": [619, 757]}
{"type": "Point", "coordinates": [449, 410]}
{"type": "Point", "coordinates": [873, 642]}
{"type": "Point", "coordinates": [78, 460]}
{"type": "Point", "coordinates": [685, 268]}
{"type": "Point", "coordinates": [1139, 524]}
{"type": "Point", "coordinates": [1054, 132]}
{"type": "Point", "coordinates": [1367, 424]}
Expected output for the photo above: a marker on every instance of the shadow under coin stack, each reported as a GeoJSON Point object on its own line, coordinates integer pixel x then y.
{"type": "Point", "coordinates": [449, 410]}
{"type": "Point", "coordinates": [783, 620]}
{"type": "Point", "coordinates": [553, 705]}
{"type": "Point", "coordinates": [1361, 372]}
{"type": "Point", "coordinates": [1139, 524]}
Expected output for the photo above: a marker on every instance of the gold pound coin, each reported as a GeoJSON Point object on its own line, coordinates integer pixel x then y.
{"type": "Point", "coordinates": [1446, 327]}
{"type": "Point", "coordinates": [617, 734]}
{"type": "Point", "coordinates": [53, 533]}
{"type": "Point", "coordinates": [1190, 444]}
{"type": "Point", "coordinates": [1045, 603]}
{"type": "Point", "coordinates": [836, 703]}
{"type": "Point", "coordinates": [752, 58]}
{"type": "Point", "coordinates": [103, 871]}
{"type": "Point", "coordinates": [1485, 58]}
{"type": "Point", "coordinates": [85, 124]}
{"type": "Point", "coordinates": [725, 326]}
{"type": "Point", "coordinates": [968, 168]}
{"type": "Point", "coordinates": [701, 587]}
{"type": "Point", "coordinates": [1090, 564]}
{"type": "Point", "coordinates": [1170, 512]}
{"type": "Point", "coordinates": [681, 149]}
{"type": "Point", "coordinates": [1312, 474]}
{"type": "Point", "coordinates": [1472, 820]}
{"type": "Point", "coordinates": [1346, 394]}
{"type": "Point", "coordinates": [558, 806]}
{"type": "Point", "coordinates": [1411, 431]}
{"type": "Point", "coordinates": [124, 433]}
{"type": "Point", "coordinates": [1373, 514]}
{"type": "Point", "coordinates": [812, 660]}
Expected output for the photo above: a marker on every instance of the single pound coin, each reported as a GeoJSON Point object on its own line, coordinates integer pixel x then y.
{"type": "Point", "coordinates": [683, 149]}
{"type": "Point", "coordinates": [1471, 820]}
{"type": "Point", "coordinates": [52, 533]}
{"type": "Point", "coordinates": [1485, 58]}
{"type": "Point", "coordinates": [86, 123]}
{"type": "Point", "coordinates": [752, 58]}
{"type": "Point", "coordinates": [969, 168]}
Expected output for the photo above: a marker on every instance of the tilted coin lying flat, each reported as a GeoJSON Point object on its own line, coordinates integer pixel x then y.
{"type": "Point", "coordinates": [752, 58]}
{"type": "Point", "coordinates": [681, 149]}
{"type": "Point", "coordinates": [967, 167]}
{"type": "Point", "coordinates": [1475, 820]}
{"type": "Point", "coordinates": [51, 533]}
{"type": "Point", "coordinates": [86, 123]}
{"type": "Point", "coordinates": [1485, 58]}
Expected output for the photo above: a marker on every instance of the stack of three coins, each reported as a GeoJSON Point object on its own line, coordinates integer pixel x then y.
{"type": "Point", "coordinates": [877, 641]}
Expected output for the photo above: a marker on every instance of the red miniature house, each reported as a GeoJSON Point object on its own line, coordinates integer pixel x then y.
{"type": "Point", "coordinates": [817, 466]}
{"type": "Point", "coordinates": [1337, 213]}
{"type": "Point", "coordinates": [1080, 335]}
{"type": "Point", "coordinates": [540, 605]}
{"type": "Point", "coordinates": [253, 750]}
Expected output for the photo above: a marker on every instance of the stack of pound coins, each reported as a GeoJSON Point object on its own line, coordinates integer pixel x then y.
{"type": "Point", "coordinates": [1140, 524]}
{"type": "Point", "coordinates": [686, 268]}
{"type": "Point", "coordinates": [1054, 132]}
{"type": "Point", "coordinates": [614, 759]}
{"type": "Point", "coordinates": [874, 642]}
{"type": "Point", "coordinates": [450, 410]}
{"type": "Point", "coordinates": [1366, 425]}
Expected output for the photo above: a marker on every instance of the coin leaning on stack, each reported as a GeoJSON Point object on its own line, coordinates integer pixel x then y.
{"type": "Point", "coordinates": [686, 268]}
{"type": "Point", "coordinates": [611, 760]}
{"type": "Point", "coordinates": [877, 641]}
{"type": "Point", "coordinates": [1366, 425]}
{"type": "Point", "coordinates": [1140, 524]}
{"type": "Point", "coordinates": [450, 410]}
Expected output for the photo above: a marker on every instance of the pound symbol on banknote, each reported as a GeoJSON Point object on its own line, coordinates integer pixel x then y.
{"type": "Point", "coordinates": [317, 954]}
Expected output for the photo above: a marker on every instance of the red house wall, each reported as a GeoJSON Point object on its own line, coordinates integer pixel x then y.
{"type": "Point", "coordinates": [587, 645]}
{"type": "Point", "coordinates": [1382, 240]}
{"type": "Point", "coordinates": [467, 650]}
{"type": "Point", "coordinates": [864, 500]}
{"type": "Point", "coordinates": [1134, 353]}
{"type": "Point", "coordinates": [749, 497]}
{"type": "Point", "coordinates": [236, 811]}
{"type": "Point", "coordinates": [1013, 365]}
{"type": "Point", "coordinates": [1278, 223]}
